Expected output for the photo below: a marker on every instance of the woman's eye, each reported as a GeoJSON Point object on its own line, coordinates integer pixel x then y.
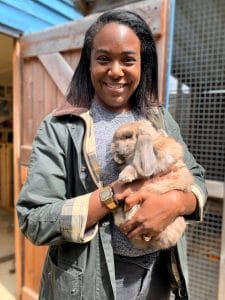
{"type": "Point", "coordinates": [129, 60]}
{"type": "Point", "coordinates": [103, 59]}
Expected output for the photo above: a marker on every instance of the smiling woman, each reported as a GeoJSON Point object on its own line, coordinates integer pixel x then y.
{"type": "Point", "coordinates": [72, 187]}
{"type": "Point", "coordinates": [115, 66]}
{"type": "Point", "coordinates": [126, 46]}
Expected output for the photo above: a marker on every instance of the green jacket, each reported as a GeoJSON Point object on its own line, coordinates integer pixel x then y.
{"type": "Point", "coordinates": [62, 173]}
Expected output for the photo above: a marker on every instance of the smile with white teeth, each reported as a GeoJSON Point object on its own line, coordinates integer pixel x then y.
{"type": "Point", "coordinates": [115, 85]}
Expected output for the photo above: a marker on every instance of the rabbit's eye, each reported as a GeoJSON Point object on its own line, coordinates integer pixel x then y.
{"type": "Point", "coordinates": [127, 135]}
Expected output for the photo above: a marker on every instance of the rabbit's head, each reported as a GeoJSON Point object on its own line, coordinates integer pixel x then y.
{"type": "Point", "coordinates": [149, 151]}
{"type": "Point", "coordinates": [132, 144]}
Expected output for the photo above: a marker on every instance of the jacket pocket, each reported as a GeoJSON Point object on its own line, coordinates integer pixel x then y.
{"type": "Point", "coordinates": [59, 283]}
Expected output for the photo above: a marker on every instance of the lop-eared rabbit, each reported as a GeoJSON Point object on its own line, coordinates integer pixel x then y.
{"type": "Point", "coordinates": [141, 151]}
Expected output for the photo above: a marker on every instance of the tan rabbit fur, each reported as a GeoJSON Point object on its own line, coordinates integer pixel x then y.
{"type": "Point", "coordinates": [143, 152]}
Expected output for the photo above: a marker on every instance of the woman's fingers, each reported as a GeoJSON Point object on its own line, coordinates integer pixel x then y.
{"type": "Point", "coordinates": [136, 232]}
{"type": "Point", "coordinates": [133, 199]}
{"type": "Point", "coordinates": [152, 216]}
{"type": "Point", "coordinates": [131, 228]}
{"type": "Point", "coordinates": [123, 190]}
{"type": "Point", "coordinates": [156, 212]}
{"type": "Point", "coordinates": [136, 228]}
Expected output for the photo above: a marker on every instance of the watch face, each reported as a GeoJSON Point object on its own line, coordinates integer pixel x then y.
{"type": "Point", "coordinates": [106, 196]}
{"type": "Point", "coordinates": [107, 193]}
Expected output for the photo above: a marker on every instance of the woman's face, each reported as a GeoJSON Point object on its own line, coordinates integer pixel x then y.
{"type": "Point", "coordinates": [115, 66]}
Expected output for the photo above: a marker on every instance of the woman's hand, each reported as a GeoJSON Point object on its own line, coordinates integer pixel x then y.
{"type": "Point", "coordinates": [156, 211]}
{"type": "Point", "coordinates": [97, 210]}
{"type": "Point", "coordinates": [123, 190]}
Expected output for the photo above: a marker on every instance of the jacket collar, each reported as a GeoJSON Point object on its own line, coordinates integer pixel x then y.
{"type": "Point", "coordinates": [68, 109]}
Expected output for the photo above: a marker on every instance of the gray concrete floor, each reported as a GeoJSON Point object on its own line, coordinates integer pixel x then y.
{"type": "Point", "coordinates": [7, 251]}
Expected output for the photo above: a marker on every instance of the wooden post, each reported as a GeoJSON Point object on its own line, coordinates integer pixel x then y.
{"type": "Point", "coordinates": [16, 160]}
{"type": "Point", "coordinates": [6, 176]}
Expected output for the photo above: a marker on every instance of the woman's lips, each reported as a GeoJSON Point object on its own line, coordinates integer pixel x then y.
{"type": "Point", "coordinates": [115, 86]}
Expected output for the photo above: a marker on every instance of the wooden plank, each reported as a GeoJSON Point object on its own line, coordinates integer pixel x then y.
{"type": "Point", "coordinates": [25, 152]}
{"type": "Point", "coordinates": [10, 168]}
{"type": "Point", "coordinates": [75, 59]}
{"type": "Point", "coordinates": [28, 294]}
{"type": "Point", "coordinates": [40, 253]}
{"type": "Point", "coordinates": [38, 97]}
{"type": "Point", "coordinates": [23, 174]}
{"type": "Point", "coordinates": [99, 5]}
{"type": "Point", "coordinates": [162, 49]}
{"type": "Point", "coordinates": [71, 36]}
{"type": "Point", "coordinates": [16, 158]}
{"type": "Point", "coordinates": [2, 175]}
{"type": "Point", "coordinates": [29, 260]}
{"type": "Point", "coordinates": [72, 58]}
{"type": "Point", "coordinates": [6, 176]}
{"type": "Point", "coordinates": [50, 93]}
{"type": "Point", "coordinates": [34, 259]}
{"type": "Point", "coordinates": [60, 38]}
{"type": "Point", "coordinates": [9, 175]}
{"type": "Point", "coordinates": [7, 258]}
{"type": "Point", "coordinates": [1, 166]}
{"type": "Point", "coordinates": [59, 70]}
{"type": "Point", "coordinates": [27, 102]}
{"type": "Point", "coordinates": [60, 98]}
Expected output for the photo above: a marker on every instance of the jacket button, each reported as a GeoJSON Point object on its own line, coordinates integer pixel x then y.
{"type": "Point", "coordinates": [73, 292]}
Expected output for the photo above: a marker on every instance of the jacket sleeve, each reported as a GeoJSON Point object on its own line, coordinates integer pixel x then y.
{"type": "Point", "coordinates": [199, 186]}
{"type": "Point", "coordinates": [45, 215]}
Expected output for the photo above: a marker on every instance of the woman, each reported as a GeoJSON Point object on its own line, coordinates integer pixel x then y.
{"type": "Point", "coordinates": [71, 188]}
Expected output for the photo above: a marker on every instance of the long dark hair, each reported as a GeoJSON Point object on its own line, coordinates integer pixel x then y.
{"type": "Point", "coordinates": [81, 90]}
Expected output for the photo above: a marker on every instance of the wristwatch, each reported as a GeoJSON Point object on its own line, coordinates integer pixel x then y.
{"type": "Point", "coordinates": [107, 197]}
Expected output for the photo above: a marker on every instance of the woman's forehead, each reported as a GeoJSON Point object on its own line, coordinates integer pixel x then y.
{"type": "Point", "coordinates": [116, 35]}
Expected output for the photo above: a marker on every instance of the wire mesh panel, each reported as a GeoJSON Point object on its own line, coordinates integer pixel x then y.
{"type": "Point", "coordinates": [203, 245]}
{"type": "Point", "coordinates": [203, 242]}
{"type": "Point", "coordinates": [197, 91]}
{"type": "Point", "coordinates": [197, 101]}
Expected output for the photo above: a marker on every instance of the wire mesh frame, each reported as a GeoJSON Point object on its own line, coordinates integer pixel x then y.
{"type": "Point", "coordinates": [197, 101]}
{"type": "Point", "coordinates": [204, 244]}
{"type": "Point", "coordinates": [203, 248]}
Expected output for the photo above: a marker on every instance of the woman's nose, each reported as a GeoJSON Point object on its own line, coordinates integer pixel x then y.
{"type": "Point", "coordinates": [115, 70]}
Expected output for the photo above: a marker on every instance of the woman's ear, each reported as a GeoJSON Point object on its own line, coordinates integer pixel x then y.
{"type": "Point", "coordinates": [145, 161]}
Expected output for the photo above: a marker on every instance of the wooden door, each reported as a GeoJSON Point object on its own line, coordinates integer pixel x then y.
{"type": "Point", "coordinates": [43, 67]}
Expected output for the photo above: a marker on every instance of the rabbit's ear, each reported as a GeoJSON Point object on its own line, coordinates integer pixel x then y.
{"type": "Point", "coordinates": [145, 161]}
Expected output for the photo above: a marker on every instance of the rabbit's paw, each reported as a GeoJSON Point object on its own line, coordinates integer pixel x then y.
{"type": "Point", "coordinates": [129, 174]}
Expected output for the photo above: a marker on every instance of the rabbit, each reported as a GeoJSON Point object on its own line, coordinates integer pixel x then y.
{"type": "Point", "coordinates": [141, 151]}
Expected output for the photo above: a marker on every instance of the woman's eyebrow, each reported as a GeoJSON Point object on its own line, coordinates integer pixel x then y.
{"type": "Point", "coordinates": [101, 51]}
{"type": "Point", "coordinates": [107, 51]}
